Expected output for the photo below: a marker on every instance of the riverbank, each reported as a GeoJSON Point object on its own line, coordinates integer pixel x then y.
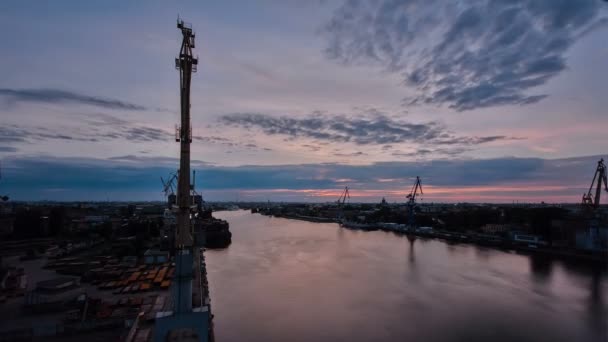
{"type": "Point", "coordinates": [486, 240]}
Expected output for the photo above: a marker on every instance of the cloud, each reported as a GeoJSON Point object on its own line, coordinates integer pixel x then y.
{"type": "Point", "coordinates": [8, 149]}
{"type": "Point", "coordinates": [13, 134]}
{"type": "Point", "coordinates": [371, 129]}
{"type": "Point", "coordinates": [137, 178]}
{"type": "Point", "coordinates": [65, 97]}
{"type": "Point", "coordinates": [143, 134]}
{"type": "Point", "coordinates": [157, 161]}
{"type": "Point", "coordinates": [94, 133]}
{"type": "Point", "coordinates": [103, 127]}
{"type": "Point", "coordinates": [312, 148]}
{"type": "Point", "coordinates": [466, 55]}
{"type": "Point", "coordinates": [352, 154]}
{"type": "Point", "coordinates": [426, 152]}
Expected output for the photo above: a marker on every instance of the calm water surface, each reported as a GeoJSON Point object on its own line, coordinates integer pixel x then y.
{"type": "Point", "coordinates": [287, 280]}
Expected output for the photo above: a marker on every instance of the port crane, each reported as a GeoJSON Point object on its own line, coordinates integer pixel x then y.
{"type": "Point", "coordinates": [411, 203]}
{"type": "Point", "coordinates": [169, 184]}
{"type": "Point", "coordinates": [600, 175]}
{"type": "Point", "coordinates": [183, 317]}
{"type": "Point", "coordinates": [344, 196]}
{"type": "Point", "coordinates": [169, 187]}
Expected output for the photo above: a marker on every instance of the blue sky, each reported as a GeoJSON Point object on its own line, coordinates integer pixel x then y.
{"type": "Point", "coordinates": [295, 99]}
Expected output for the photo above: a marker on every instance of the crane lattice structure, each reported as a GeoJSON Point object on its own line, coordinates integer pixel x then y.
{"type": "Point", "coordinates": [186, 64]}
{"type": "Point", "coordinates": [169, 184]}
{"type": "Point", "coordinates": [411, 203]}
{"type": "Point", "coordinates": [183, 318]}
{"type": "Point", "coordinates": [600, 175]}
{"type": "Point", "coordinates": [344, 196]}
{"type": "Point", "coordinates": [169, 189]}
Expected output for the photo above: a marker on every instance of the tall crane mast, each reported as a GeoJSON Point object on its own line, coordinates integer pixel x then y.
{"type": "Point", "coordinates": [600, 175]}
{"type": "Point", "coordinates": [411, 203]}
{"type": "Point", "coordinates": [186, 64]}
{"type": "Point", "coordinates": [189, 317]}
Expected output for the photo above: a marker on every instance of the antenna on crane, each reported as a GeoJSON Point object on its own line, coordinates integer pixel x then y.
{"type": "Point", "coordinates": [411, 204]}
{"type": "Point", "coordinates": [600, 175]}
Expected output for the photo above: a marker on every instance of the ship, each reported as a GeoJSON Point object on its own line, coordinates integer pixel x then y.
{"type": "Point", "coordinates": [358, 226]}
{"type": "Point", "coordinates": [216, 231]}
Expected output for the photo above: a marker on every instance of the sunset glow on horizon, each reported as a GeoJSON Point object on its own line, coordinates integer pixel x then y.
{"type": "Point", "coordinates": [296, 100]}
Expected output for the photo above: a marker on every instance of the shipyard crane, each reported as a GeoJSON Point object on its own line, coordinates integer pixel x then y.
{"type": "Point", "coordinates": [344, 196]}
{"type": "Point", "coordinates": [600, 175]}
{"type": "Point", "coordinates": [169, 184]}
{"type": "Point", "coordinates": [411, 203]}
{"type": "Point", "coordinates": [183, 317]}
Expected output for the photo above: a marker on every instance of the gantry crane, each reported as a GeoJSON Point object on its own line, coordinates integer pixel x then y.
{"type": "Point", "coordinates": [600, 175]}
{"type": "Point", "coordinates": [411, 203]}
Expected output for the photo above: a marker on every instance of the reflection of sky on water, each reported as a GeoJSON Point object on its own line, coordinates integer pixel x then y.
{"type": "Point", "coordinates": [300, 281]}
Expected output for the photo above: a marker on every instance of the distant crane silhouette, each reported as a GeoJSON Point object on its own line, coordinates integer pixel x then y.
{"type": "Point", "coordinates": [169, 185]}
{"type": "Point", "coordinates": [411, 203]}
{"type": "Point", "coordinates": [169, 188]}
{"type": "Point", "coordinates": [600, 175]}
{"type": "Point", "coordinates": [344, 196]}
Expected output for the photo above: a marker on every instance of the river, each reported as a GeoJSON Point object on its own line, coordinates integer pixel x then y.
{"type": "Point", "coordinates": [288, 280]}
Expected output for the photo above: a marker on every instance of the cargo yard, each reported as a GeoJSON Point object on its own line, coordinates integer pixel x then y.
{"type": "Point", "coordinates": [51, 295]}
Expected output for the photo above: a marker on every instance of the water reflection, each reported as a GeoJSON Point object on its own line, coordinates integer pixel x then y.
{"type": "Point", "coordinates": [412, 254]}
{"type": "Point", "coordinates": [597, 308]}
{"type": "Point", "coordinates": [285, 280]}
{"type": "Point", "coordinates": [540, 267]}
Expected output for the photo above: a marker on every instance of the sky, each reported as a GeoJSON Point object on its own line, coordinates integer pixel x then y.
{"type": "Point", "coordinates": [485, 100]}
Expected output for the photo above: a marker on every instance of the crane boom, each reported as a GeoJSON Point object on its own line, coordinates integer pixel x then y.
{"type": "Point", "coordinates": [345, 194]}
{"type": "Point", "coordinates": [411, 204]}
{"type": "Point", "coordinates": [600, 176]}
{"type": "Point", "coordinates": [418, 186]}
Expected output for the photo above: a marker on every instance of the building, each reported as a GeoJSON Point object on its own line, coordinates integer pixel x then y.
{"type": "Point", "coordinates": [155, 256]}
{"type": "Point", "coordinates": [496, 228]}
{"type": "Point", "coordinates": [6, 226]}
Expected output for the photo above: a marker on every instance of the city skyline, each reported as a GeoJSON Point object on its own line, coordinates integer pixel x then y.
{"type": "Point", "coordinates": [293, 101]}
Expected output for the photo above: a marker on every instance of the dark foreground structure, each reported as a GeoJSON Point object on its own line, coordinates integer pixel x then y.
{"type": "Point", "coordinates": [190, 317]}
